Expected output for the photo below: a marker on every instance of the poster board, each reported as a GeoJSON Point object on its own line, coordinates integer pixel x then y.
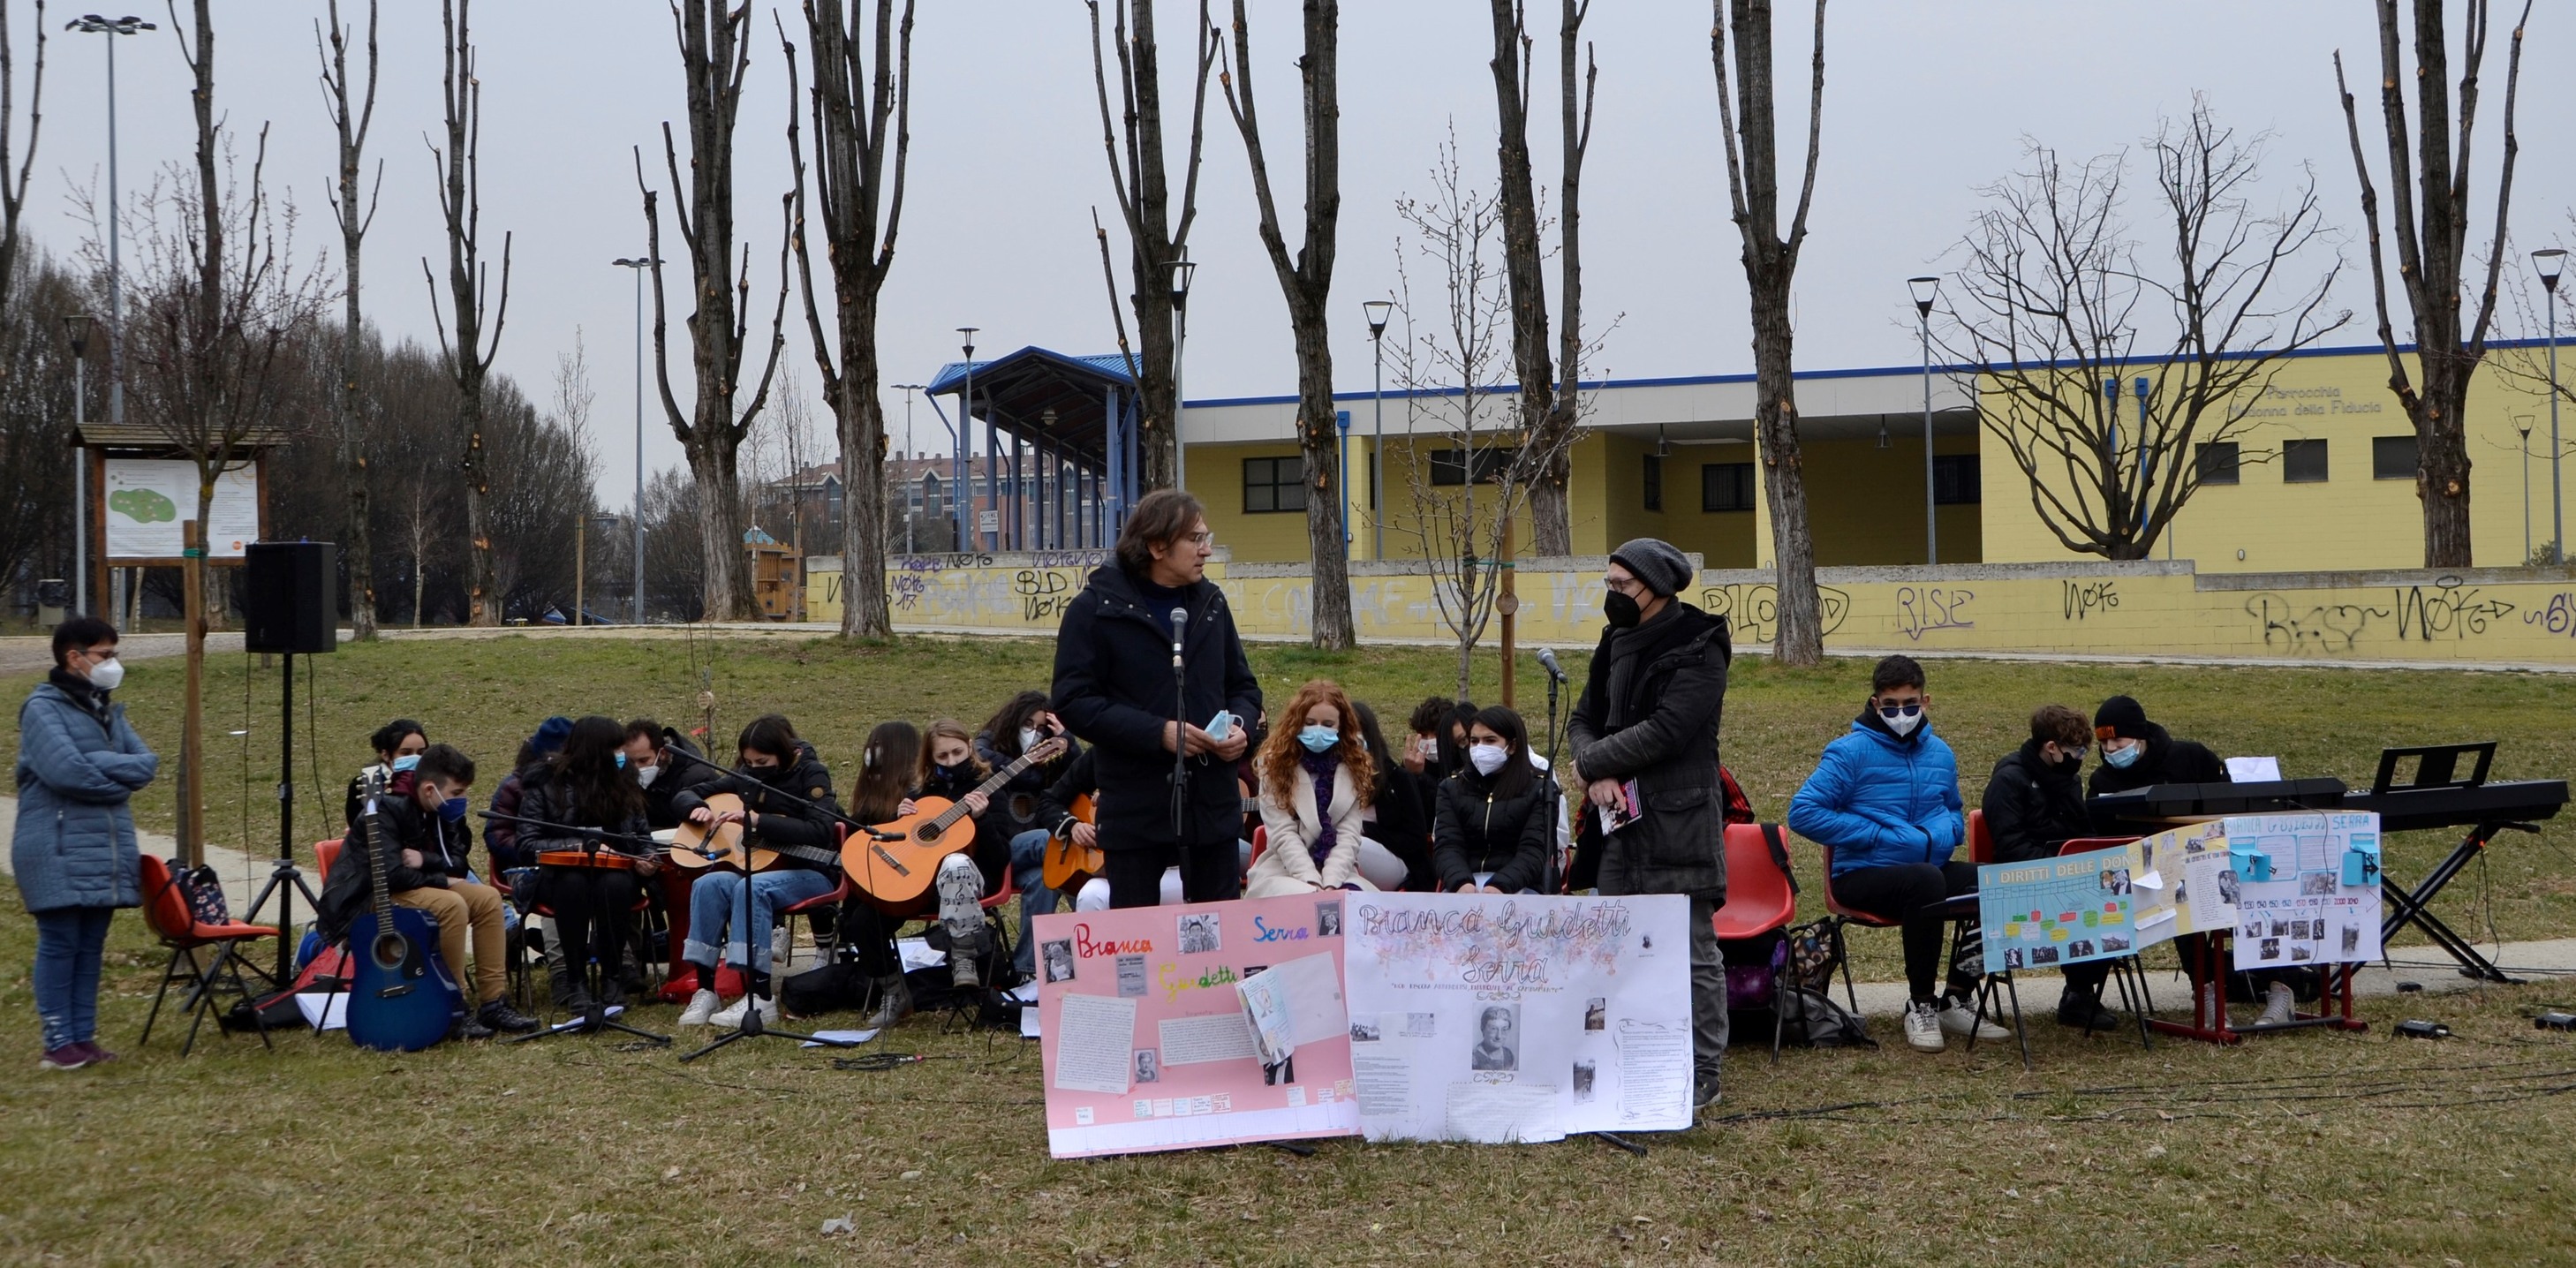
{"type": "Point", "coordinates": [2053, 912]}
{"type": "Point", "coordinates": [146, 500]}
{"type": "Point", "coordinates": [2183, 884]}
{"type": "Point", "coordinates": [2318, 901]}
{"type": "Point", "coordinates": [1143, 1036]}
{"type": "Point", "coordinates": [1496, 1018]}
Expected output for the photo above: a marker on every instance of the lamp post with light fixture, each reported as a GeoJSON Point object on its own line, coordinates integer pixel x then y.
{"type": "Point", "coordinates": [959, 437]}
{"type": "Point", "coordinates": [2522, 426]}
{"type": "Point", "coordinates": [637, 266]}
{"type": "Point", "coordinates": [1183, 269]}
{"type": "Point", "coordinates": [2548, 262]}
{"type": "Point", "coordinates": [76, 329]}
{"type": "Point", "coordinates": [112, 27]}
{"type": "Point", "coordinates": [1378, 310]}
{"type": "Point", "coordinates": [908, 390]}
{"type": "Point", "coordinates": [1925, 290]}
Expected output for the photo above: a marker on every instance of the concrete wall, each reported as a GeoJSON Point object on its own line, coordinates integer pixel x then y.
{"type": "Point", "coordinates": [2498, 617]}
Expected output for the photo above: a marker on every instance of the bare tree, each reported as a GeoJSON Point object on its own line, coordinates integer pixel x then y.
{"type": "Point", "coordinates": [359, 555]}
{"type": "Point", "coordinates": [1770, 266]}
{"type": "Point", "coordinates": [714, 58]}
{"type": "Point", "coordinates": [469, 355]}
{"type": "Point", "coordinates": [13, 187]}
{"type": "Point", "coordinates": [1143, 189]}
{"type": "Point", "coordinates": [2050, 305]}
{"type": "Point", "coordinates": [853, 136]}
{"type": "Point", "coordinates": [1307, 282]}
{"type": "Point", "coordinates": [2432, 229]}
{"type": "Point", "coordinates": [1549, 390]}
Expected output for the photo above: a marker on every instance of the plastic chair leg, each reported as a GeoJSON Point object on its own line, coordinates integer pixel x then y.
{"type": "Point", "coordinates": [169, 974]}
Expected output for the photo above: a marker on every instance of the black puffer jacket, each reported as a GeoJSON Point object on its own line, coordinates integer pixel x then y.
{"type": "Point", "coordinates": [404, 826]}
{"type": "Point", "coordinates": [1113, 687]}
{"type": "Point", "coordinates": [1475, 831]}
{"type": "Point", "coordinates": [543, 796]}
{"type": "Point", "coordinates": [782, 822]}
{"type": "Point", "coordinates": [673, 775]}
{"type": "Point", "coordinates": [2031, 808]}
{"type": "Point", "coordinates": [1650, 711]}
{"type": "Point", "coordinates": [1403, 823]}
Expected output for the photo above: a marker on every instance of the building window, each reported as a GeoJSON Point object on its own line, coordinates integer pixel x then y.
{"type": "Point", "coordinates": [1274, 484]}
{"type": "Point", "coordinates": [1654, 493]}
{"type": "Point", "coordinates": [1449, 466]}
{"type": "Point", "coordinates": [930, 496]}
{"type": "Point", "coordinates": [2392, 458]}
{"type": "Point", "coordinates": [2218, 462]}
{"type": "Point", "coordinates": [1954, 480]}
{"type": "Point", "coordinates": [1726, 486]}
{"type": "Point", "coordinates": [2303, 462]}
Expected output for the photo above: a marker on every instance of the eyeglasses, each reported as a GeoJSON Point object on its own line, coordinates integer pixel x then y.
{"type": "Point", "coordinates": [1906, 710]}
{"type": "Point", "coordinates": [1202, 537]}
{"type": "Point", "coordinates": [1625, 585]}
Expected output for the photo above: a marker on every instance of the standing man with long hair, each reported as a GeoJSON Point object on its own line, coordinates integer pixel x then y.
{"type": "Point", "coordinates": [1114, 688]}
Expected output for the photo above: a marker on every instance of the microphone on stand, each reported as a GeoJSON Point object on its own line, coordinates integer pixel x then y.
{"type": "Point", "coordinates": [1180, 619]}
{"type": "Point", "coordinates": [1547, 660]}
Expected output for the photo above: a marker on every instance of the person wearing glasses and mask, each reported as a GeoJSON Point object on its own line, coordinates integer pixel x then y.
{"type": "Point", "coordinates": [1648, 717]}
{"type": "Point", "coordinates": [1885, 798]}
{"type": "Point", "coordinates": [2034, 803]}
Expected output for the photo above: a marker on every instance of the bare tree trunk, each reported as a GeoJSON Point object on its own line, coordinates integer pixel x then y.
{"type": "Point", "coordinates": [359, 554]}
{"type": "Point", "coordinates": [469, 357]}
{"type": "Point", "coordinates": [13, 188]}
{"type": "Point", "coordinates": [1770, 266]}
{"type": "Point", "coordinates": [857, 194]}
{"type": "Point", "coordinates": [1307, 283]}
{"type": "Point", "coordinates": [2432, 267]}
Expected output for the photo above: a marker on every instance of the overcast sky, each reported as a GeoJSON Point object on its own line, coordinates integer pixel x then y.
{"type": "Point", "coordinates": [1923, 104]}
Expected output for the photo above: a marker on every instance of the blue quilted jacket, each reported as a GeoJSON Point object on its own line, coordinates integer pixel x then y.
{"type": "Point", "coordinates": [1880, 801]}
{"type": "Point", "coordinates": [75, 838]}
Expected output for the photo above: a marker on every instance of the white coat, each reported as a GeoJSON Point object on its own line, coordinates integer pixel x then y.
{"type": "Point", "coordinates": [1287, 866]}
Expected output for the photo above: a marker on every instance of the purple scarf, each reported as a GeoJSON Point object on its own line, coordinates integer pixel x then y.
{"type": "Point", "coordinates": [1320, 768]}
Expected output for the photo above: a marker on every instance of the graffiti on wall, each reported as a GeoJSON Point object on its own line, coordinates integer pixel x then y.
{"type": "Point", "coordinates": [1922, 610]}
{"type": "Point", "coordinates": [2446, 609]}
{"type": "Point", "coordinates": [2083, 598]}
{"type": "Point", "coordinates": [1752, 612]}
{"type": "Point", "coordinates": [2310, 629]}
{"type": "Point", "coordinates": [2558, 616]}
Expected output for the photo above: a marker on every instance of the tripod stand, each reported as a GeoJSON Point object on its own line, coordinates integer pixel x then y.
{"type": "Point", "coordinates": [284, 880]}
{"type": "Point", "coordinates": [595, 1018]}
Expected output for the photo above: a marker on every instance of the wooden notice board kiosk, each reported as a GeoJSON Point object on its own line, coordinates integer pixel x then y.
{"type": "Point", "coordinates": [142, 488]}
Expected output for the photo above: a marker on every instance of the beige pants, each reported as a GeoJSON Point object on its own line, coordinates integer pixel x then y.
{"type": "Point", "coordinates": [461, 906]}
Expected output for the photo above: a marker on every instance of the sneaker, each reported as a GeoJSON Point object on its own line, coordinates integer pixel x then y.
{"type": "Point", "coordinates": [1704, 1092]}
{"type": "Point", "coordinates": [498, 1015]}
{"type": "Point", "coordinates": [98, 1055]}
{"type": "Point", "coordinates": [2085, 1013]}
{"type": "Point", "coordinates": [70, 1056]}
{"type": "Point", "coordinates": [782, 947]}
{"type": "Point", "coordinates": [731, 1017]}
{"type": "Point", "coordinates": [701, 1010]}
{"type": "Point", "coordinates": [894, 1003]}
{"type": "Point", "coordinates": [1960, 1021]}
{"type": "Point", "coordinates": [962, 972]}
{"type": "Point", "coordinates": [2278, 1005]}
{"type": "Point", "coordinates": [1923, 1027]}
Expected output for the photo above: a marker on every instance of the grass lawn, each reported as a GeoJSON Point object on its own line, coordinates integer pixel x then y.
{"type": "Point", "coordinates": [2309, 1149]}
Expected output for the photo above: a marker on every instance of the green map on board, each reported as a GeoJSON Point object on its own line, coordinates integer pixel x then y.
{"type": "Point", "coordinates": [143, 506]}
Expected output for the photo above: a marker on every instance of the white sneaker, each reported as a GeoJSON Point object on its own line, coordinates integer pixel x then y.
{"type": "Point", "coordinates": [1959, 1021]}
{"type": "Point", "coordinates": [1923, 1027]}
{"type": "Point", "coordinates": [2278, 1005]}
{"type": "Point", "coordinates": [701, 1010]}
{"type": "Point", "coordinates": [731, 1017]}
{"type": "Point", "coordinates": [782, 946]}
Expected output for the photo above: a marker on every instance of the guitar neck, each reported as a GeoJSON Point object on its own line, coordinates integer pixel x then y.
{"type": "Point", "coordinates": [948, 818]}
{"type": "Point", "coordinates": [378, 898]}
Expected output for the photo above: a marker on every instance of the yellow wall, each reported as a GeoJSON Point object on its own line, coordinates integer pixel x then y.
{"type": "Point", "coordinates": [2348, 521]}
{"type": "Point", "coordinates": [1216, 474]}
{"type": "Point", "coordinates": [1865, 504]}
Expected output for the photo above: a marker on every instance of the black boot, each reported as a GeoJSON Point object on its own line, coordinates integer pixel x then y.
{"type": "Point", "coordinates": [2081, 1010]}
{"type": "Point", "coordinates": [498, 1015]}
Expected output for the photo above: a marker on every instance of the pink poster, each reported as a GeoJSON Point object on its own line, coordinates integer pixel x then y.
{"type": "Point", "coordinates": [1146, 1040]}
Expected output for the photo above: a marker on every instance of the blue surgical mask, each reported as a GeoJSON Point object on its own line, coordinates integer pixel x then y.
{"type": "Point", "coordinates": [1319, 739]}
{"type": "Point", "coordinates": [2123, 758]}
{"type": "Point", "coordinates": [452, 810]}
{"type": "Point", "coordinates": [406, 762]}
{"type": "Point", "coordinates": [621, 759]}
{"type": "Point", "coordinates": [943, 770]}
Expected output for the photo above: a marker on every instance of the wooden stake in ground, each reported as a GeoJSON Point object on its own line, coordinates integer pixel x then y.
{"type": "Point", "coordinates": [192, 745]}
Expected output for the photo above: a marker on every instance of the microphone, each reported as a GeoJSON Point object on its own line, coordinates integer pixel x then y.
{"type": "Point", "coordinates": [1547, 660]}
{"type": "Point", "coordinates": [1180, 620]}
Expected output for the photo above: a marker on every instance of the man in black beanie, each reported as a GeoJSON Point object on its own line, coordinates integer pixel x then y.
{"type": "Point", "coordinates": [1648, 715]}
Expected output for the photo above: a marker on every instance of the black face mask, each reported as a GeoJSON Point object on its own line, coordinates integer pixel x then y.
{"type": "Point", "coordinates": [1621, 610]}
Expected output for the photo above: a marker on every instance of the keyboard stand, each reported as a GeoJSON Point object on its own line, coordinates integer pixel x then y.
{"type": "Point", "coordinates": [2405, 907]}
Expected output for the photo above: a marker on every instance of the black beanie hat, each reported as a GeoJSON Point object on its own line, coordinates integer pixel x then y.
{"type": "Point", "coordinates": [1658, 563]}
{"type": "Point", "coordinates": [2120, 717]}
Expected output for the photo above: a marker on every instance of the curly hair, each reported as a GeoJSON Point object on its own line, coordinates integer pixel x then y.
{"type": "Point", "coordinates": [1281, 753]}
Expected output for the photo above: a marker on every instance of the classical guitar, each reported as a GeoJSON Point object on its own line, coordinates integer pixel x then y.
{"type": "Point", "coordinates": [401, 998]}
{"type": "Point", "coordinates": [1067, 864]}
{"type": "Point", "coordinates": [694, 847]}
{"type": "Point", "coordinates": [893, 863]}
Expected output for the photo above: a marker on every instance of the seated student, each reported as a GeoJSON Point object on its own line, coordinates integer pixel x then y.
{"type": "Point", "coordinates": [1886, 798]}
{"type": "Point", "coordinates": [589, 783]}
{"type": "Point", "coordinates": [1395, 853]}
{"type": "Point", "coordinates": [1021, 724]}
{"type": "Point", "coordinates": [658, 771]}
{"type": "Point", "coordinates": [1316, 778]}
{"type": "Point", "coordinates": [2137, 753]}
{"type": "Point", "coordinates": [1494, 825]}
{"type": "Point", "coordinates": [951, 770]}
{"type": "Point", "coordinates": [425, 841]}
{"type": "Point", "coordinates": [772, 760]}
{"type": "Point", "coordinates": [500, 836]}
{"type": "Point", "coordinates": [1077, 782]}
{"type": "Point", "coordinates": [398, 745]}
{"type": "Point", "coordinates": [889, 765]}
{"type": "Point", "coordinates": [2033, 805]}
{"type": "Point", "coordinates": [1438, 748]}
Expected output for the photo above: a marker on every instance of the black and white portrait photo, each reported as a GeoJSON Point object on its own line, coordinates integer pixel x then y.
{"type": "Point", "coordinates": [1059, 959]}
{"type": "Point", "coordinates": [1497, 1047]}
{"type": "Point", "coordinates": [1199, 934]}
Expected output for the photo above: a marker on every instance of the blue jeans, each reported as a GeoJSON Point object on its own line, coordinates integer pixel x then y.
{"type": "Point", "coordinates": [717, 900]}
{"type": "Point", "coordinates": [1028, 861]}
{"type": "Point", "coordinates": [69, 942]}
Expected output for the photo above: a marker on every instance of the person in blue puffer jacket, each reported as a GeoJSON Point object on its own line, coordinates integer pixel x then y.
{"type": "Point", "coordinates": [1886, 798]}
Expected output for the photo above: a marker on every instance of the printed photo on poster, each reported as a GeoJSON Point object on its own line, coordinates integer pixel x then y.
{"type": "Point", "coordinates": [1497, 1039]}
{"type": "Point", "coordinates": [1059, 959]}
{"type": "Point", "coordinates": [1328, 919]}
{"type": "Point", "coordinates": [1149, 1067]}
{"type": "Point", "coordinates": [1200, 934]}
{"type": "Point", "coordinates": [1584, 1072]}
{"type": "Point", "coordinates": [1596, 1013]}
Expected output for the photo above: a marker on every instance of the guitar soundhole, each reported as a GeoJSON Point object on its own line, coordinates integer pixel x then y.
{"type": "Point", "coordinates": [388, 950]}
{"type": "Point", "coordinates": [926, 833]}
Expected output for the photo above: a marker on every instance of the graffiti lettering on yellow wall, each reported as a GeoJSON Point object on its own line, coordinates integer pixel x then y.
{"type": "Point", "coordinates": [1044, 592]}
{"type": "Point", "coordinates": [1753, 612]}
{"type": "Point", "coordinates": [2317, 629]}
{"type": "Point", "coordinates": [2446, 609]}
{"type": "Point", "coordinates": [1921, 611]}
{"type": "Point", "coordinates": [2558, 616]}
{"type": "Point", "coordinates": [2085, 597]}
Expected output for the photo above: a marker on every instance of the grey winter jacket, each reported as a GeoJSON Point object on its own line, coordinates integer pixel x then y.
{"type": "Point", "coordinates": [1650, 711]}
{"type": "Point", "coordinates": [77, 765]}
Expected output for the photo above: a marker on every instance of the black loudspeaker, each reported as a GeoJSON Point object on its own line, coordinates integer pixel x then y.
{"type": "Point", "coordinates": [287, 597]}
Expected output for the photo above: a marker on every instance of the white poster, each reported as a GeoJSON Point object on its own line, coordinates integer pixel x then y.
{"type": "Point", "coordinates": [1499, 1018]}
{"type": "Point", "coordinates": [2319, 900]}
{"type": "Point", "coordinates": [147, 498]}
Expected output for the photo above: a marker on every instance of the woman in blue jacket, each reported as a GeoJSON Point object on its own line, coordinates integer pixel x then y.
{"type": "Point", "coordinates": [74, 851]}
{"type": "Point", "coordinates": [1886, 798]}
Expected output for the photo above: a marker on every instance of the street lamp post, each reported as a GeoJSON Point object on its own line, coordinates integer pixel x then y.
{"type": "Point", "coordinates": [960, 436]}
{"type": "Point", "coordinates": [112, 27]}
{"type": "Point", "coordinates": [638, 266]}
{"type": "Point", "coordinates": [2548, 261]}
{"type": "Point", "coordinates": [908, 390]}
{"type": "Point", "coordinates": [1377, 310]}
{"type": "Point", "coordinates": [1925, 290]}
{"type": "Point", "coordinates": [76, 327]}
{"type": "Point", "coordinates": [1182, 271]}
{"type": "Point", "coordinates": [2522, 425]}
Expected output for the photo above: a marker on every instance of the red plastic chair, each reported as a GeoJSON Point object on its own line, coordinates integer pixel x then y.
{"type": "Point", "coordinates": [1260, 846]}
{"type": "Point", "coordinates": [1760, 901]}
{"type": "Point", "coordinates": [326, 853]}
{"type": "Point", "coordinates": [830, 901]}
{"type": "Point", "coordinates": [1847, 916]}
{"type": "Point", "coordinates": [165, 909]}
{"type": "Point", "coordinates": [1981, 840]}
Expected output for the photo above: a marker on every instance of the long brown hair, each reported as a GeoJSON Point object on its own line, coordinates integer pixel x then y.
{"type": "Point", "coordinates": [1281, 753]}
{"type": "Point", "coordinates": [949, 729]}
{"type": "Point", "coordinates": [887, 768]}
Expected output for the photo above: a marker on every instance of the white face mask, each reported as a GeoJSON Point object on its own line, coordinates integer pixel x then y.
{"type": "Point", "coordinates": [644, 775]}
{"type": "Point", "coordinates": [106, 674]}
{"type": "Point", "coordinates": [1029, 738]}
{"type": "Point", "coordinates": [1488, 758]}
{"type": "Point", "coordinates": [1903, 724]}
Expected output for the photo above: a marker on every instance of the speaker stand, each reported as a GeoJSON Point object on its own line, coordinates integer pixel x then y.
{"type": "Point", "coordinates": [284, 880]}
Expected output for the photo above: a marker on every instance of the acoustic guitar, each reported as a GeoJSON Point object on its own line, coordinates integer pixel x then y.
{"type": "Point", "coordinates": [694, 848]}
{"type": "Point", "coordinates": [1068, 865]}
{"type": "Point", "coordinates": [894, 863]}
{"type": "Point", "coordinates": [401, 997]}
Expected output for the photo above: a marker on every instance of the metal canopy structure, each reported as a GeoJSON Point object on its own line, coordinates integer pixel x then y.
{"type": "Point", "coordinates": [1068, 473]}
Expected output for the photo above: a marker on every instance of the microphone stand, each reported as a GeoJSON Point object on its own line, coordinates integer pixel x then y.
{"type": "Point", "coordinates": [1555, 799]}
{"type": "Point", "coordinates": [1180, 741]}
{"type": "Point", "coordinates": [596, 1018]}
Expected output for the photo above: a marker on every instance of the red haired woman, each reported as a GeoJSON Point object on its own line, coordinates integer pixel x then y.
{"type": "Point", "coordinates": [1316, 778]}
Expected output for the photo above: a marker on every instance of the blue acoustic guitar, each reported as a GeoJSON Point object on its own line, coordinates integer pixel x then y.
{"type": "Point", "coordinates": [401, 998]}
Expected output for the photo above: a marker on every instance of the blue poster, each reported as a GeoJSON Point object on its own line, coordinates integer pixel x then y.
{"type": "Point", "coordinates": [2058, 911]}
